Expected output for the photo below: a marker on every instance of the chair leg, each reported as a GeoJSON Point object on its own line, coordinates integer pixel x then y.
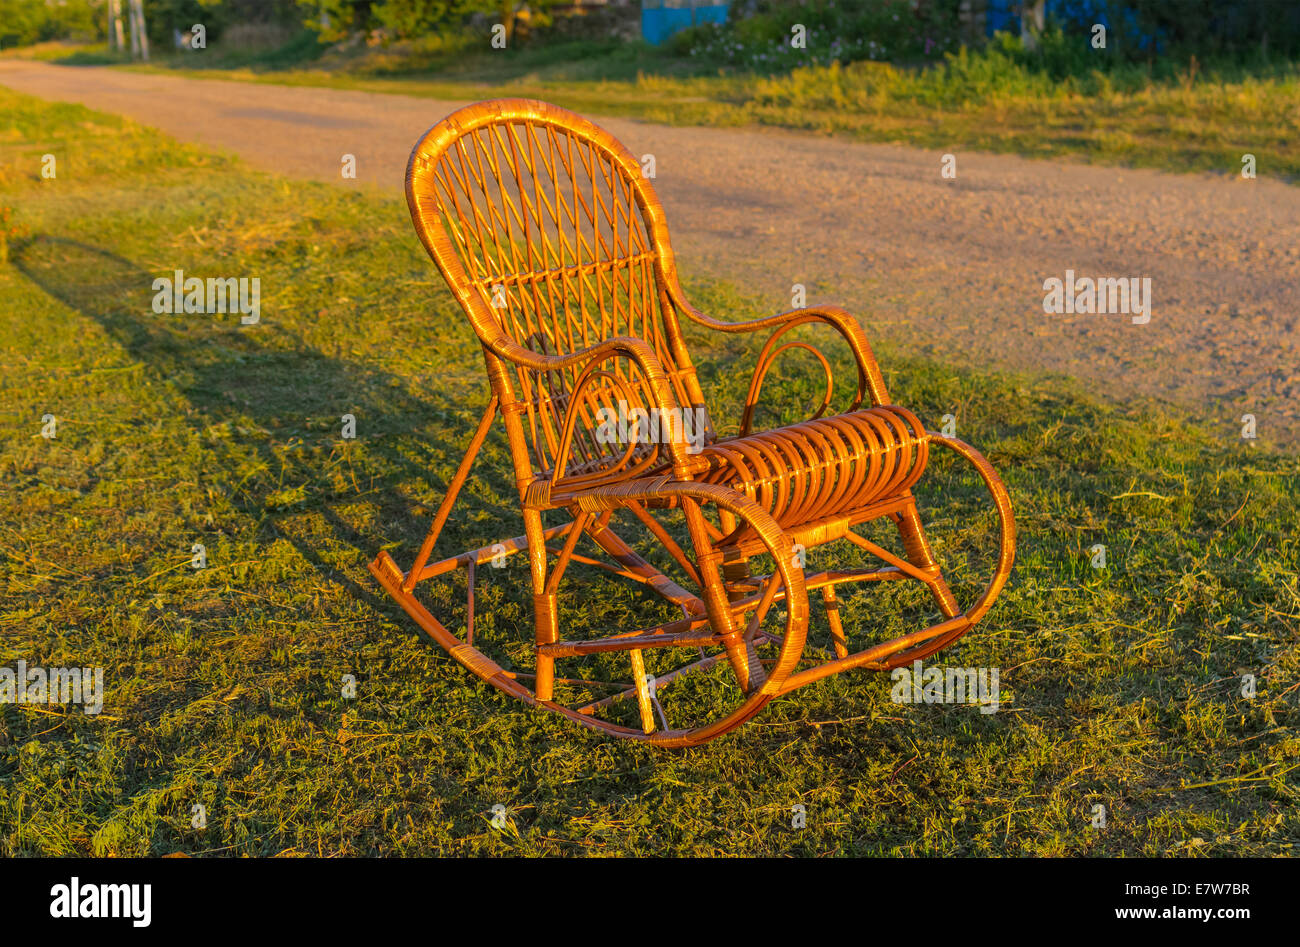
{"type": "Point", "coordinates": [833, 618]}
{"type": "Point", "coordinates": [920, 555]}
{"type": "Point", "coordinates": [735, 568]}
{"type": "Point", "coordinates": [545, 617]}
{"type": "Point", "coordinates": [741, 654]}
{"type": "Point", "coordinates": [449, 498]}
{"type": "Point", "coordinates": [734, 571]}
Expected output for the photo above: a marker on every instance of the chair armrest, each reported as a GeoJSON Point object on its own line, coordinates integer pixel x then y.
{"type": "Point", "coordinates": [870, 380]}
{"type": "Point", "coordinates": [636, 349]}
{"type": "Point", "coordinates": [659, 392]}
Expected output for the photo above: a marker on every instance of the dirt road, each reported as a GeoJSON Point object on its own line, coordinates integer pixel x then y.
{"type": "Point", "coordinates": [953, 267]}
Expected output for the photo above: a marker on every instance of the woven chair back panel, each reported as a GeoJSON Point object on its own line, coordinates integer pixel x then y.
{"type": "Point", "coordinates": [548, 231]}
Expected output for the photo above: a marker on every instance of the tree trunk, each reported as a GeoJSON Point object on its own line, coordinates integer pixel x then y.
{"type": "Point", "coordinates": [1033, 20]}
{"type": "Point", "coordinates": [144, 33]}
{"type": "Point", "coordinates": [132, 28]}
{"type": "Point", "coordinates": [115, 39]}
{"type": "Point", "coordinates": [508, 20]}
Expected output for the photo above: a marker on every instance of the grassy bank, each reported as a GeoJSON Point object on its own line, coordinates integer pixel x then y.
{"type": "Point", "coordinates": [1120, 687]}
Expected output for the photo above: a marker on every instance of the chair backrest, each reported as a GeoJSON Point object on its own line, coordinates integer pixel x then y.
{"type": "Point", "coordinates": [547, 231]}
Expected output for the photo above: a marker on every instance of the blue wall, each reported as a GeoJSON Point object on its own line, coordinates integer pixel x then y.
{"type": "Point", "coordinates": [659, 23]}
{"type": "Point", "coordinates": [1005, 15]}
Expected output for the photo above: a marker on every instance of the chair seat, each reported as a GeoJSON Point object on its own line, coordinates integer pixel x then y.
{"type": "Point", "coordinates": [823, 469]}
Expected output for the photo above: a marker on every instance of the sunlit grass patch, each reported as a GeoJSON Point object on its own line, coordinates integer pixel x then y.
{"type": "Point", "coordinates": [1121, 686]}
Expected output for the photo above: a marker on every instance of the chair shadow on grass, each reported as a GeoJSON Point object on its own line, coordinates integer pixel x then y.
{"type": "Point", "coordinates": [247, 379]}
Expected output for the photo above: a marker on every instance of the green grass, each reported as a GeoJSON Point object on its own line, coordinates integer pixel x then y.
{"type": "Point", "coordinates": [1176, 118]}
{"type": "Point", "coordinates": [1120, 687]}
{"type": "Point", "coordinates": [64, 51]}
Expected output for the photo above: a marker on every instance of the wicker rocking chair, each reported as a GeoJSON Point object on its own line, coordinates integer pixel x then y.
{"type": "Point", "coordinates": [555, 244]}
